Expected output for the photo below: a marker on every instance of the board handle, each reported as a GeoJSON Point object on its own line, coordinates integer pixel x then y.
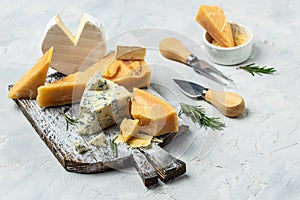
{"type": "Point", "coordinates": [228, 103]}
{"type": "Point", "coordinates": [144, 168]}
{"type": "Point", "coordinates": [173, 49]}
{"type": "Point", "coordinates": [166, 166]}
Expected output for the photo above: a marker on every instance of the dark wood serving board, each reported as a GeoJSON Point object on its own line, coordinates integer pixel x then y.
{"type": "Point", "coordinates": [151, 163]}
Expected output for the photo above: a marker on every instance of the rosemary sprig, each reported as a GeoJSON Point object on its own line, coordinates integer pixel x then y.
{"type": "Point", "coordinates": [114, 145]}
{"type": "Point", "coordinates": [254, 69]}
{"type": "Point", "coordinates": [69, 120]}
{"type": "Point", "coordinates": [198, 115]}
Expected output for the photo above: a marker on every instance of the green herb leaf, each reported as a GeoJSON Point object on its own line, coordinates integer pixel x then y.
{"type": "Point", "coordinates": [68, 120]}
{"type": "Point", "coordinates": [114, 145]}
{"type": "Point", "coordinates": [198, 115]}
{"type": "Point", "coordinates": [253, 69]}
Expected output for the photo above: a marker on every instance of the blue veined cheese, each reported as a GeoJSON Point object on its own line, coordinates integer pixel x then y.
{"type": "Point", "coordinates": [101, 109]}
{"type": "Point", "coordinates": [97, 82]}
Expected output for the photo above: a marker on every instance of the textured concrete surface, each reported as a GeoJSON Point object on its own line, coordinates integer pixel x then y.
{"type": "Point", "coordinates": [255, 157]}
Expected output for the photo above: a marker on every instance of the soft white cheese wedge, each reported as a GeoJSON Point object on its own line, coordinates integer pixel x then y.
{"type": "Point", "coordinates": [74, 53]}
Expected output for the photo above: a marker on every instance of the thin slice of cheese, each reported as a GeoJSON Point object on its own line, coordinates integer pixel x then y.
{"type": "Point", "coordinates": [156, 116]}
{"type": "Point", "coordinates": [26, 87]}
{"type": "Point", "coordinates": [129, 74]}
{"type": "Point", "coordinates": [139, 140]}
{"type": "Point", "coordinates": [74, 53]}
{"type": "Point", "coordinates": [129, 128]}
{"type": "Point", "coordinates": [213, 19]}
{"type": "Point", "coordinates": [70, 88]}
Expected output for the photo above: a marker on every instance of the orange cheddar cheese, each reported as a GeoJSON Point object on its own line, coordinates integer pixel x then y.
{"type": "Point", "coordinates": [26, 87]}
{"type": "Point", "coordinates": [213, 19]}
{"type": "Point", "coordinates": [156, 116]}
{"type": "Point", "coordinates": [129, 74]}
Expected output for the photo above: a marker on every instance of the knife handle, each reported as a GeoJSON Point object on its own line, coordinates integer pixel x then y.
{"type": "Point", "coordinates": [173, 49]}
{"type": "Point", "coordinates": [228, 103]}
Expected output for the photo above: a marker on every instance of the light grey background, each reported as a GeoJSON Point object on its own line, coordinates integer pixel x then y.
{"type": "Point", "coordinates": [257, 155]}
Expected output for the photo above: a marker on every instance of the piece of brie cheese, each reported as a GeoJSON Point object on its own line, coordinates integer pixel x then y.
{"type": "Point", "coordinates": [74, 53]}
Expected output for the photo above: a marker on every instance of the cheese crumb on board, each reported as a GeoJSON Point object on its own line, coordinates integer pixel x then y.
{"type": "Point", "coordinates": [99, 140]}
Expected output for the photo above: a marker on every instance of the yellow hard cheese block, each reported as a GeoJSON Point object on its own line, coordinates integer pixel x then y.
{"type": "Point", "coordinates": [61, 92]}
{"type": "Point", "coordinates": [70, 88]}
{"type": "Point", "coordinates": [156, 116]}
{"type": "Point", "coordinates": [129, 128]}
{"type": "Point", "coordinates": [213, 19]}
{"type": "Point", "coordinates": [129, 74]}
{"type": "Point", "coordinates": [26, 87]}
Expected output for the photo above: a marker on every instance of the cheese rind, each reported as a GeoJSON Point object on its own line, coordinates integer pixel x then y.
{"type": "Point", "coordinates": [130, 53]}
{"type": "Point", "coordinates": [156, 116]}
{"type": "Point", "coordinates": [213, 19]}
{"type": "Point", "coordinates": [74, 53]}
{"type": "Point", "coordinates": [26, 87]}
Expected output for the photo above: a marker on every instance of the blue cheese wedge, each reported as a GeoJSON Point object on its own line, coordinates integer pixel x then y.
{"type": "Point", "coordinates": [100, 109]}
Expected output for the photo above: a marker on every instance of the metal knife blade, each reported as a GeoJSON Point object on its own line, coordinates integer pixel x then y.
{"type": "Point", "coordinates": [228, 103]}
{"type": "Point", "coordinates": [190, 89]}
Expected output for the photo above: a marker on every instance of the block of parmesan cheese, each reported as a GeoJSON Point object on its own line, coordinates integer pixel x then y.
{"type": "Point", "coordinates": [69, 89]}
{"type": "Point", "coordinates": [74, 53]}
{"type": "Point", "coordinates": [213, 19]}
{"type": "Point", "coordinates": [26, 87]}
{"type": "Point", "coordinates": [156, 116]}
{"type": "Point", "coordinates": [129, 74]}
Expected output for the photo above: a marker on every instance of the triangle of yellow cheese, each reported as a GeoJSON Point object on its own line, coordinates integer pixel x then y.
{"type": "Point", "coordinates": [213, 19]}
{"type": "Point", "coordinates": [26, 87]}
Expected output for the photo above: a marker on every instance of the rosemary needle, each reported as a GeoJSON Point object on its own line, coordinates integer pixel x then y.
{"type": "Point", "coordinates": [68, 120]}
{"type": "Point", "coordinates": [254, 69]}
{"type": "Point", "coordinates": [198, 115]}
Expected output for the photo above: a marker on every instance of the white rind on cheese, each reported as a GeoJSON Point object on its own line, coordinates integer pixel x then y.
{"type": "Point", "coordinates": [103, 108]}
{"type": "Point", "coordinates": [74, 53]}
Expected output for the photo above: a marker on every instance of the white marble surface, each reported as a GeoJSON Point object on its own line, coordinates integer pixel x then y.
{"type": "Point", "coordinates": [256, 157]}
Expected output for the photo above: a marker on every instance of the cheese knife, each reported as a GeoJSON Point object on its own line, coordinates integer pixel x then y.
{"type": "Point", "coordinates": [228, 103]}
{"type": "Point", "coordinates": [174, 49]}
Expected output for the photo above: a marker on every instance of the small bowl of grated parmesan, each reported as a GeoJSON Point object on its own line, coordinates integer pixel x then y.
{"type": "Point", "coordinates": [243, 39]}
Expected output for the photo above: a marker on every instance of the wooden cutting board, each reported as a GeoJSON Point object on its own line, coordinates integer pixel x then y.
{"type": "Point", "coordinates": [151, 163]}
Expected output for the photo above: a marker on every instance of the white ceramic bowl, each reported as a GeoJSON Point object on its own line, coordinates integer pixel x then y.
{"type": "Point", "coordinates": [231, 55]}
